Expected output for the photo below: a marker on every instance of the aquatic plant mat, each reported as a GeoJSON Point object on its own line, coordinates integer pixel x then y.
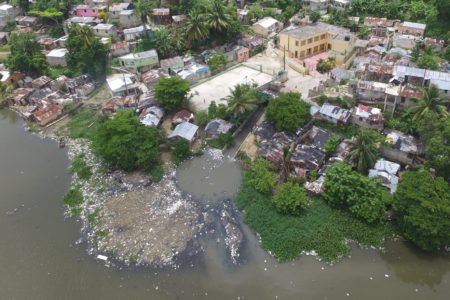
{"type": "Point", "coordinates": [321, 229]}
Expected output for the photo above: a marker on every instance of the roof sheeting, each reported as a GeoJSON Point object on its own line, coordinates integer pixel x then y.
{"type": "Point", "coordinates": [185, 130]}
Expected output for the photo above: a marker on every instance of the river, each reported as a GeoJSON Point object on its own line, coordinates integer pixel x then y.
{"type": "Point", "coordinates": [40, 257]}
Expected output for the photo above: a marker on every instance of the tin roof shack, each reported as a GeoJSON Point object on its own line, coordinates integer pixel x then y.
{"type": "Point", "coordinates": [140, 61]}
{"type": "Point", "coordinates": [401, 148]}
{"type": "Point", "coordinates": [411, 28]}
{"type": "Point", "coordinates": [152, 116]}
{"type": "Point", "coordinates": [306, 158]}
{"type": "Point", "coordinates": [41, 82]}
{"type": "Point", "coordinates": [116, 103]}
{"type": "Point", "coordinates": [88, 11]}
{"type": "Point", "coordinates": [47, 114]}
{"type": "Point", "coordinates": [340, 74]}
{"type": "Point", "coordinates": [21, 96]}
{"type": "Point", "coordinates": [216, 127]}
{"type": "Point", "coordinates": [272, 149]}
{"type": "Point", "coordinates": [171, 65]}
{"type": "Point", "coordinates": [105, 30]}
{"type": "Point", "coordinates": [135, 33]}
{"type": "Point", "coordinates": [386, 171]}
{"type": "Point", "coordinates": [194, 72]}
{"type": "Point", "coordinates": [379, 26]}
{"type": "Point", "coordinates": [26, 21]}
{"type": "Point", "coordinates": [251, 42]}
{"type": "Point", "coordinates": [267, 26]}
{"type": "Point", "coordinates": [116, 8]}
{"type": "Point", "coordinates": [122, 84]}
{"type": "Point", "coordinates": [318, 5]}
{"type": "Point", "coordinates": [151, 77]}
{"type": "Point", "coordinates": [264, 131]}
{"type": "Point", "coordinates": [182, 116]}
{"type": "Point", "coordinates": [7, 13]}
{"type": "Point", "coordinates": [367, 117]}
{"type": "Point", "coordinates": [129, 18]}
{"type": "Point", "coordinates": [185, 130]}
{"type": "Point", "coordinates": [81, 86]}
{"type": "Point", "coordinates": [318, 137]}
{"type": "Point", "coordinates": [179, 20]}
{"type": "Point", "coordinates": [57, 57]}
{"type": "Point", "coordinates": [92, 21]}
{"type": "Point", "coordinates": [422, 77]}
{"type": "Point", "coordinates": [334, 114]}
{"type": "Point", "coordinates": [119, 49]}
{"type": "Point", "coordinates": [242, 54]}
{"type": "Point", "coordinates": [146, 100]}
{"type": "Point", "coordinates": [404, 41]}
{"type": "Point", "coordinates": [161, 16]}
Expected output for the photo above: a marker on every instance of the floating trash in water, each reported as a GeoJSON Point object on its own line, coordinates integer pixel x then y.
{"type": "Point", "coordinates": [386, 275]}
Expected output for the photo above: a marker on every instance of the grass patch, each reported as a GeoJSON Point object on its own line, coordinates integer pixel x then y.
{"type": "Point", "coordinates": [318, 228]}
{"type": "Point", "coordinates": [101, 233]}
{"type": "Point", "coordinates": [346, 131]}
{"type": "Point", "coordinates": [92, 217]}
{"type": "Point", "coordinates": [75, 211]}
{"type": "Point", "coordinates": [80, 167]}
{"type": "Point", "coordinates": [83, 123]}
{"type": "Point", "coordinates": [73, 198]}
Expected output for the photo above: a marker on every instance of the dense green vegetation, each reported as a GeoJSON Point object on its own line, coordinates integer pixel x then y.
{"type": "Point", "coordinates": [86, 53]}
{"type": "Point", "coordinates": [224, 139]}
{"type": "Point", "coordinates": [26, 55]}
{"type": "Point", "coordinates": [171, 92]}
{"type": "Point", "coordinates": [318, 227]}
{"type": "Point", "coordinates": [364, 152]}
{"type": "Point", "coordinates": [243, 99]}
{"type": "Point", "coordinates": [181, 150]}
{"type": "Point", "coordinates": [422, 209]}
{"type": "Point", "coordinates": [124, 143]}
{"type": "Point", "coordinates": [287, 112]}
{"type": "Point", "coordinates": [83, 123]}
{"type": "Point", "coordinates": [291, 198]}
{"type": "Point", "coordinates": [261, 176]}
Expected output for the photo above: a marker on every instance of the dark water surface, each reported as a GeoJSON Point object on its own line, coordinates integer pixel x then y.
{"type": "Point", "coordinates": [40, 260]}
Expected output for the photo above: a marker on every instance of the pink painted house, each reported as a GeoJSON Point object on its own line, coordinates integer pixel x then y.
{"type": "Point", "coordinates": [87, 11]}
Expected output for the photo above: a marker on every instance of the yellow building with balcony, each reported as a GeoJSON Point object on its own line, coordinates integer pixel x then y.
{"type": "Point", "coordinates": [306, 41]}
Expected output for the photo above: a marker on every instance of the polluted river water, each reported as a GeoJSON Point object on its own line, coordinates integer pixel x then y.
{"type": "Point", "coordinates": [41, 258]}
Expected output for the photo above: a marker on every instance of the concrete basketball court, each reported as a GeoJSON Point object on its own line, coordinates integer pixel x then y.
{"type": "Point", "coordinates": [219, 87]}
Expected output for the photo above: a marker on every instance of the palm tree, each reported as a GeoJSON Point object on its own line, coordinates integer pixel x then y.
{"type": "Point", "coordinates": [196, 28]}
{"type": "Point", "coordinates": [364, 152]}
{"type": "Point", "coordinates": [218, 16]}
{"type": "Point", "coordinates": [86, 34]}
{"type": "Point", "coordinates": [242, 99]}
{"type": "Point", "coordinates": [431, 103]}
{"type": "Point", "coordinates": [143, 9]}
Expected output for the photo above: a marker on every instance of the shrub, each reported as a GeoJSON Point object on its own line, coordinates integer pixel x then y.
{"type": "Point", "coordinates": [73, 198]}
{"type": "Point", "coordinates": [260, 176]}
{"type": "Point", "coordinates": [80, 167]}
{"type": "Point", "coordinates": [332, 144]}
{"type": "Point", "coordinates": [220, 142]}
{"type": "Point", "coordinates": [201, 118]}
{"type": "Point", "coordinates": [290, 198]}
{"type": "Point", "coordinates": [181, 150]}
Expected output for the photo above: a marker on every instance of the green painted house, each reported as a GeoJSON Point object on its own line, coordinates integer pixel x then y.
{"type": "Point", "coordinates": [140, 61]}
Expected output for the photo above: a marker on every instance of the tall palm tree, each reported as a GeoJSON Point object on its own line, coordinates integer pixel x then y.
{"type": "Point", "coordinates": [196, 27]}
{"type": "Point", "coordinates": [431, 103]}
{"type": "Point", "coordinates": [242, 99]}
{"type": "Point", "coordinates": [85, 33]}
{"type": "Point", "coordinates": [218, 16]}
{"type": "Point", "coordinates": [364, 152]}
{"type": "Point", "coordinates": [143, 9]}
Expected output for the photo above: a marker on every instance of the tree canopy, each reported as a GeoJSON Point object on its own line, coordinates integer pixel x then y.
{"type": "Point", "coordinates": [171, 92]}
{"type": "Point", "coordinates": [260, 176]}
{"type": "Point", "coordinates": [86, 53]}
{"type": "Point", "coordinates": [422, 209]}
{"type": "Point", "coordinates": [288, 112]}
{"type": "Point", "coordinates": [26, 55]}
{"type": "Point", "coordinates": [242, 99]}
{"type": "Point", "coordinates": [124, 143]}
{"type": "Point", "coordinates": [364, 152]}
{"type": "Point", "coordinates": [364, 197]}
{"type": "Point", "coordinates": [291, 198]}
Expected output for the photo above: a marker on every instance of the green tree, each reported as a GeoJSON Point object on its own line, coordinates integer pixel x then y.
{"type": "Point", "coordinates": [431, 103]}
{"type": "Point", "coordinates": [86, 53]}
{"type": "Point", "coordinates": [438, 149]}
{"type": "Point", "coordinates": [171, 92]}
{"type": "Point", "coordinates": [332, 144]}
{"type": "Point", "coordinates": [196, 27]}
{"type": "Point", "coordinates": [422, 209]}
{"type": "Point", "coordinates": [363, 196]}
{"type": "Point", "coordinates": [288, 112]}
{"type": "Point", "coordinates": [364, 152]}
{"type": "Point", "coordinates": [217, 60]}
{"type": "Point", "coordinates": [218, 16]}
{"type": "Point", "coordinates": [26, 55]}
{"type": "Point", "coordinates": [242, 99]}
{"type": "Point", "coordinates": [291, 198]}
{"type": "Point", "coordinates": [144, 8]}
{"type": "Point", "coordinates": [260, 176]}
{"type": "Point", "coordinates": [181, 150]}
{"type": "Point", "coordinates": [314, 16]}
{"type": "Point", "coordinates": [124, 143]}
{"type": "Point", "coordinates": [363, 32]}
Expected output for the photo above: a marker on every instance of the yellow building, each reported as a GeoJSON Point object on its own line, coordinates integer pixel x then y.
{"type": "Point", "coordinates": [306, 41]}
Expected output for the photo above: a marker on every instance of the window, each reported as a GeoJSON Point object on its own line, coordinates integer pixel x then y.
{"type": "Point", "coordinates": [302, 53]}
{"type": "Point", "coordinates": [316, 48]}
{"type": "Point", "coordinates": [296, 54]}
{"type": "Point", "coordinates": [310, 41]}
{"type": "Point", "coordinates": [316, 38]}
{"type": "Point", "coordinates": [322, 47]}
{"type": "Point", "coordinates": [403, 100]}
{"type": "Point", "coordinates": [296, 43]}
{"type": "Point", "coordinates": [322, 37]}
{"type": "Point", "coordinates": [303, 43]}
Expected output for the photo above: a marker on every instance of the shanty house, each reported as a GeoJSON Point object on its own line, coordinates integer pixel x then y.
{"type": "Point", "coordinates": [411, 28]}
{"type": "Point", "coordinates": [105, 30]}
{"type": "Point", "coordinates": [161, 16]}
{"type": "Point", "coordinates": [401, 148]}
{"type": "Point", "coordinates": [386, 172]}
{"type": "Point", "coordinates": [334, 114]}
{"type": "Point", "coordinates": [116, 8]}
{"type": "Point", "coordinates": [140, 61]}
{"type": "Point", "coordinates": [129, 18]}
{"type": "Point", "coordinates": [88, 11]}
{"type": "Point", "coordinates": [185, 130]}
{"type": "Point", "coordinates": [216, 127]}
{"type": "Point", "coordinates": [307, 158]}
{"type": "Point", "coordinates": [367, 117]}
{"type": "Point", "coordinates": [172, 64]}
{"type": "Point", "coordinates": [267, 26]}
{"type": "Point", "coordinates": [57, 57]}
{"type": "Point", "coordinates": [135, 33]}
{"type": "Point", "coordinates": [152, 116]}
{"type": "Point", "coordinates": [122, 84]}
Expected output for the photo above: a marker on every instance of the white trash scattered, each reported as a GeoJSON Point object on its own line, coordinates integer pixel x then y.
{"type": "Point", "coordinates": [386, 275]}
{"type": "Point", "coordinates": [102, 257]}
